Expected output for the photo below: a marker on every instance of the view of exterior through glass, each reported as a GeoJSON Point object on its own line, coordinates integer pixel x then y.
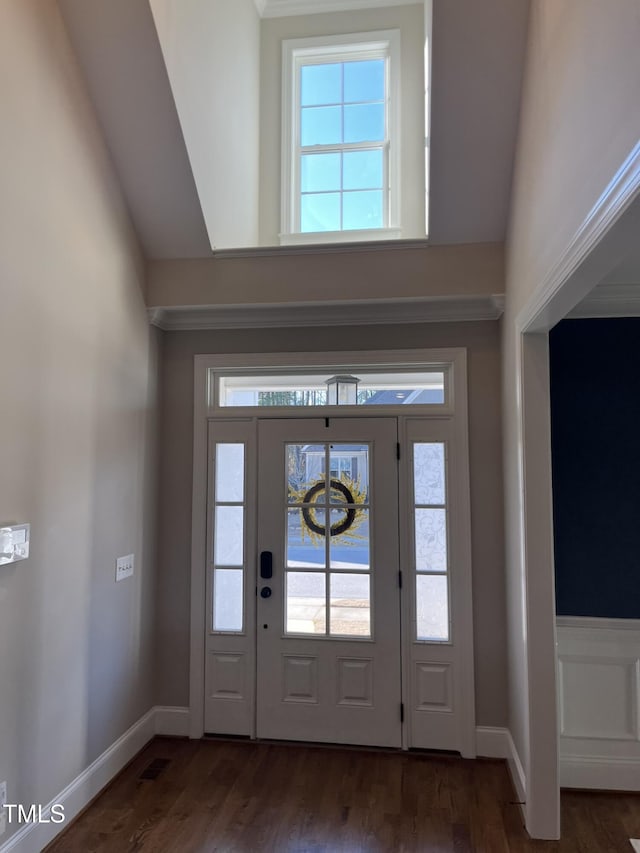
{"type": "Point", "coordinates": [343, 138]}
{"type": "Point", "coordinates": [327, 540]}
{"type": "Point", "coordinates": [398, 388]}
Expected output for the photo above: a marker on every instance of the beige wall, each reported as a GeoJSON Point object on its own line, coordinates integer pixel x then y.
{"type": "Point", "coordinates": [77, 380]}
{"type": "Point", "coordinates": [370, 274]}
{"type": "Point", "coordinates": [410, 21]}
{"type": "Point", "coordinates": [482, 341]}
{"type": "Point", "coordinates": [579, 121]}
{"type": "Point", "coordinates": [211, 50]}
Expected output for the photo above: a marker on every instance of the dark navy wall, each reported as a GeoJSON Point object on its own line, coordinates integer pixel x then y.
{"type": "Point", "coordinates": [595, 429]}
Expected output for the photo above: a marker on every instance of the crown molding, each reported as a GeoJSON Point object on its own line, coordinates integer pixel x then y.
{"type": "Point", "coordinates": [609, 300]}
{"type": "Point", "coordinates": [286, 8]}
{"type": "Point", "coordinates": [380, 312]}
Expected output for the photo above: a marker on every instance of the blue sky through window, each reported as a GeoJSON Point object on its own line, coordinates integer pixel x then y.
{"type": "Point", "coordinates": [342, 103]}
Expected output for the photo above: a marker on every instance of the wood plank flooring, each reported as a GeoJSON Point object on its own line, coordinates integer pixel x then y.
{"type": "Point", "coordinates": [243, 797]}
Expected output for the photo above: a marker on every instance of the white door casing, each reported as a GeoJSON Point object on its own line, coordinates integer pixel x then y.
{"type": "Point", "coordinates": [437, 677]}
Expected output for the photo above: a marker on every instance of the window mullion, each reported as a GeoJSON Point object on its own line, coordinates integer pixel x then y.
{"type": "Point", "coordinates": [337, 147]}
{"type": "Point", "coordinates": [342, 140]}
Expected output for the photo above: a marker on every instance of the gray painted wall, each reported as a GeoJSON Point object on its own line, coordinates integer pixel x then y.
{"type": "Point", "coordinates": [77, 422]}
{"type": "Point", "coordinates": [482, 342]}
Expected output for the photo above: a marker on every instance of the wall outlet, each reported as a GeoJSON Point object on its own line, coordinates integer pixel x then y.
{"type": "Point", "coordinates": [124, 567]}
{"type": "Point", "coordinates": [3, 811]}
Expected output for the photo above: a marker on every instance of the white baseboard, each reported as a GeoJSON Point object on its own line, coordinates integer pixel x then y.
{"type": "Point", "coordinates": [605, 773]}
{"type": "Point", "coordinates": [33, 837]}
{"type": "Point", "coordinates": [492, 742]}
{"type": "Point", "coordinates": [161, 720]}
{"type": "Point", "coordinates": [497, 743]}
{"type": "Point", "coordinates": [517, 773]}
{"type": "Point", "coordinates": [172, 721]}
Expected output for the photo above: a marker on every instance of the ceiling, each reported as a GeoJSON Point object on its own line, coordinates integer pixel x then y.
{"type": "Point", "coordinates": [477, 67]}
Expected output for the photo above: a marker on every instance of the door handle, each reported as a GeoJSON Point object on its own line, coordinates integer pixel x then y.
{"type": "Point", "coordinates": [266, 565]}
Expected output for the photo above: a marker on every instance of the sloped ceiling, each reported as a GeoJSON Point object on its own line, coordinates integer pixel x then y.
{"type": "Point", "coordinates": [478, 58]}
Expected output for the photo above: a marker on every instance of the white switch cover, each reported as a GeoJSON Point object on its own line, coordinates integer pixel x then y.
{"type": "Point", "coordinates": [14, 542]}
{"type": "Point", "coordinates": [124, 567]}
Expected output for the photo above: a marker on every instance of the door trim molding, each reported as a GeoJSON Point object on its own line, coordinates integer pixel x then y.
{"type": "Point", "coordinates": [203, 413]}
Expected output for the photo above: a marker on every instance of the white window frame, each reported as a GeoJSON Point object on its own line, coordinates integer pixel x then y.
{"type": "Point", "coordinates": [325, 49]}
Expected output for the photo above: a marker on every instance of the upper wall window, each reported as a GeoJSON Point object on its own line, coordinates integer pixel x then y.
{"type": "Point", "coordinates": [340, 138]}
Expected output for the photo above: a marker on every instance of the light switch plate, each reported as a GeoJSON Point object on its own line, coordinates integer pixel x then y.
{"type": "Point", "coordinates": [14, 542]}
{"type": "Point", "coordinates": [124, 567]}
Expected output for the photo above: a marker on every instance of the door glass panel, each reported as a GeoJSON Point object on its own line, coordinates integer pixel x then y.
{"type": "Point", "coordinates": [338, 502]}
{"type": "Point", "coordinates": [350, 605]}
{"type": "Point", "coordinates": [306, 600]}
{"type": "Point", "coordinates": [230, 473]}
{"type": "Point", "coordinates": [428, 470]}
{"type": "Point", "coordinates": [305, 473]}
{"type": "Point", "coordinates": [431, 540]}
{"type": "Point", "coordinates": [351, 549]}
{"type": "Point", "coordinates": [432, 607]}
{"type": "Point", "coordinates": [349, 472]}
{"type": "Point", "coordinates": [229, 536]}
{"type": "Point", "coordinates": [227, 605]}
{"type": "Point", "coordinates": [305, 537]}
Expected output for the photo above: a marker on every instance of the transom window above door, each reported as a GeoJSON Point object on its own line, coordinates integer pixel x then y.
{"type": "Point", "coordinates": [345, 387]}
{"type": "Point", "coordinates": [340, 140]}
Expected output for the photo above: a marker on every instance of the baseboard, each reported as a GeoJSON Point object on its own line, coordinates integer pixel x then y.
{"type": "Point", "coordinates": [517, 773]}
{"type": "Point", "coordinates": [493, 742]}
{"type": "Point", "coordinates": [161, 720]}
{"type": "Point", "coordinates": [174, 721]}
{"type": "Point", "coordinates": [171, 721]}
{"type": "Point", "coordinates": [605, 773]}
{"type": "Point", "coordinates": [34, 837]}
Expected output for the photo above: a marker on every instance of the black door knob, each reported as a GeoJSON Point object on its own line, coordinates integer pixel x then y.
{"type": "Point", "coordinates": [265, 592]}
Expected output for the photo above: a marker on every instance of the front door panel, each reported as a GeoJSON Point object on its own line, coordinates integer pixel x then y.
{"type": "Point", "coordinates": [328, 599]}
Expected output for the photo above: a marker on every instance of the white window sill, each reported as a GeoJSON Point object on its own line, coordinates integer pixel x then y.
{"type": "Point", "coordinates": [312, 238]}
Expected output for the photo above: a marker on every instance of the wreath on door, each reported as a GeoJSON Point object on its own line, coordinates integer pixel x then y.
{"type": "Point", "coordinates": [345, 495]}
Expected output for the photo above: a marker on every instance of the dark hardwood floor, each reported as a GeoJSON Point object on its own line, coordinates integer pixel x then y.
{"type": "Point", "coordinates": [216, 795]}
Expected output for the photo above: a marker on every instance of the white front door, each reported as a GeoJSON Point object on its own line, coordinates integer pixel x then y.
{"type": "Point", "coordinates": [303, 637]}
{"type": "Point", "coordinates": [328, 597]}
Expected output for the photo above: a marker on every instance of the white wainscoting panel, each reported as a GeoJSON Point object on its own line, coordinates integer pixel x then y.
{"type": "Point", "coordinates": [599, 690]}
